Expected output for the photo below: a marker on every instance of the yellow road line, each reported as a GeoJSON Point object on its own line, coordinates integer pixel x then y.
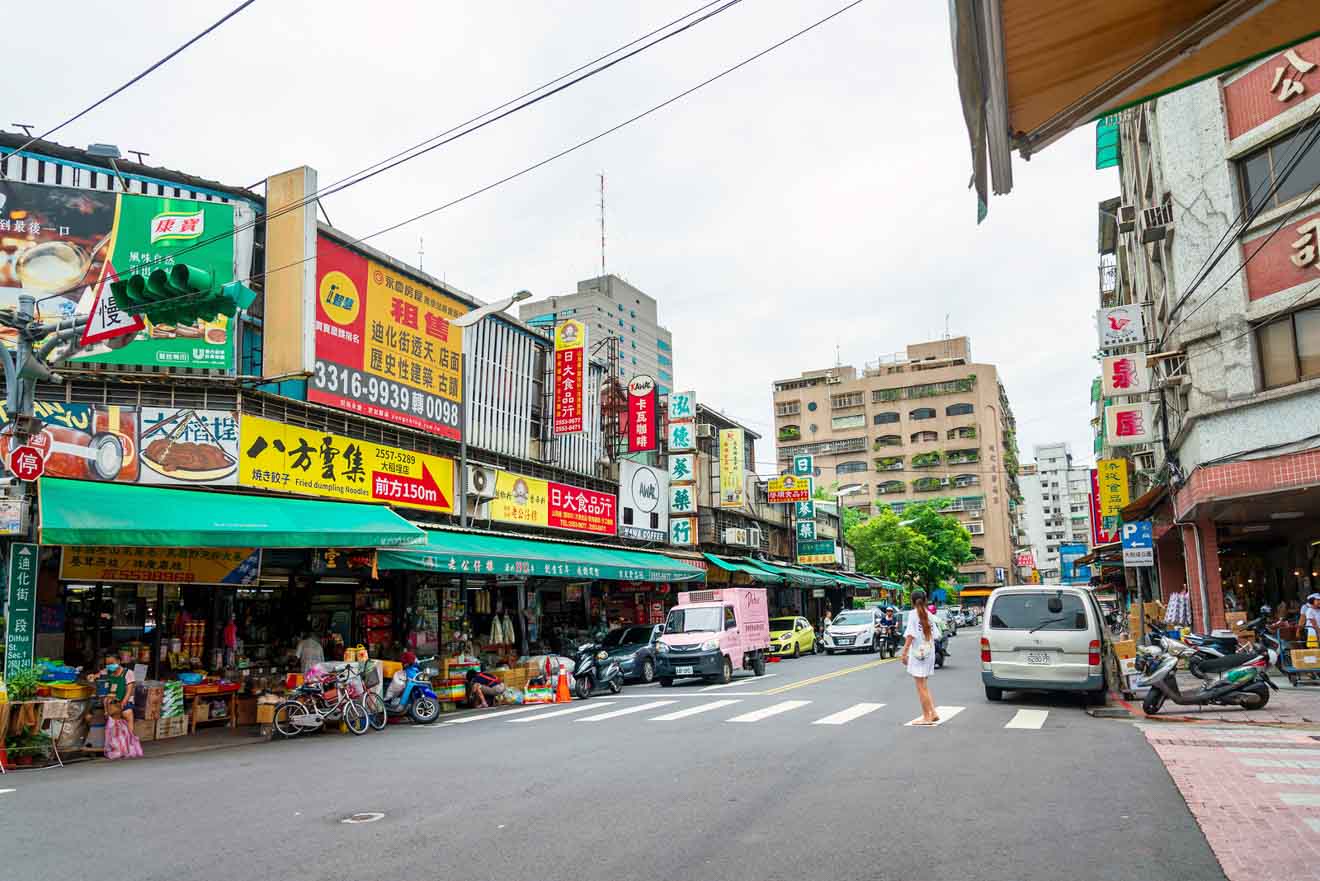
{"type": "Point", "coordinates": [826, 676]}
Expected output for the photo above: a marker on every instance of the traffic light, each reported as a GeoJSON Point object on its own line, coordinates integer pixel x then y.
{"type": "Point", "coordinates": [181, 295]}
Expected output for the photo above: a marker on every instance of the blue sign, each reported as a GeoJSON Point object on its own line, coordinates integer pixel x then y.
{"type": "Point", "coordinates": [1138, 543]}
{"type": "Point", "coordinates": [1069, 571]}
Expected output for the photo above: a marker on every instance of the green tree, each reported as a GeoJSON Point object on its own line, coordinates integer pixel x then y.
{"type": "Point", "coordinates": [851, 516]}
{"type": "Point", "coordinates": [920, 547]}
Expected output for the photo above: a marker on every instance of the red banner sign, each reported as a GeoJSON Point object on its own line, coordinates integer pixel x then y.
{"type": "Point", "coordinates": [1099, 535]}
{"type": "Point", "coordinates": [570, 376]}
{"type": "Point", "coordinates": [642, 420]}
{"type": "Point", "coordinates": [584, 510]}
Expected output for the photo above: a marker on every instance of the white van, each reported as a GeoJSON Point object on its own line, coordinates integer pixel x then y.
{"type": "Point", "coordinates": [1043, 637]}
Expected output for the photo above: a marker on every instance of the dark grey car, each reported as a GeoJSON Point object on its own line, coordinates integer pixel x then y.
{"type": "Point", "coordinates": [634, 648]}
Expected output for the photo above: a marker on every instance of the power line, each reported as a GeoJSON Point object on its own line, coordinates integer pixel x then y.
{"type": "Point", "coordinates": [580, 144]}
{"type": "Point", "coordinates": [81, 113]}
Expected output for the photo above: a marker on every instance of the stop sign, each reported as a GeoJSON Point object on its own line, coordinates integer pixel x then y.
{"type": "Point", "coordinates": [26, 462]}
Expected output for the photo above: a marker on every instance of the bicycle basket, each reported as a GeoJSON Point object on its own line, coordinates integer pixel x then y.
{"type": "Point", "coordinates": [372, 677]}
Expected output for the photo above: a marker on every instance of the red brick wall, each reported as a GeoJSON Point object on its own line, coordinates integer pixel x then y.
{"type": "Point", "coordinates": [1232, 479]}
{"type": "Point", "coordinates": [1249, 102]}
{"type": "Point", "coordinates": [1272, 270]}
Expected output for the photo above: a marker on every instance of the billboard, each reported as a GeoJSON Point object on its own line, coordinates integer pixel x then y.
{"type": "Point", "coordinates": [787, 489]}
{"type": "Point", "coordinates": [1124, 375]}
{"type": "Point", "coordinates": [1128, 425]}
{"type": "Point", "coordinates": [1069, 571]}
{"type": "Point", "coordinates": [733, 462]}
{"type": "Point", "coordinates": [570, 376]}
{"type": "Point", "coordinates": [1103, 531]}
{"type": "Point", "coordinates": [815, 552]}
{"type": "Point", "coordinates": [1121, 326]}
{"type": "Point", "coordinates": [384, 344]}
{"type": "Point", "coordinates": [65, 245]}
{"type": "Point", "coordinates": [643, 419]}
{"type": "Point", "coordinates": [1138, 543]}
{"type": "Point", "coordinates": [225, 566]}
{"type": "Point", "coordinates": [643, 502]}
{"type": "Point", "coordinates": [1112, 479]}
{"type": "Point", "coordinates": [533, 502]}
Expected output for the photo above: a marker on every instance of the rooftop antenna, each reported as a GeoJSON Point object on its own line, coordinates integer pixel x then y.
{"type": "Point", "coordinates": [139, 154]}
{"type": "Point", "coordinates": [602, 224]}
{"type": "Point", "coordinates": [27, 129]}
{"type": "Point", "coordinates": [838, 356]}
{"type": "Point", "coordinates": [421, 251]}
{"type": "Point", "coordinates": [946, 325]}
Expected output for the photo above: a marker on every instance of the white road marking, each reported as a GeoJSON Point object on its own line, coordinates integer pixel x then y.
{"type": "Point", "coordinates": [767, 712]}
{"type": "Point", "coordinates": [580, 708]}
{"type": "Point", "coordinates": [692, 711]}
{"type": "Point", "coordinates": [1295, 764]}
{"type": "Point", "coordinates": [3, 791]}
{"type": "Point", "coordinates": [636, 708]}
{"type": "Point", "coordinates": [1300, 779]}
{"type": "Point", "coordinates": [477, 717]}
{"type": "Point", "coordinates": [1301, 799]}
{"type": "Point", "coordinates": [1030, 719]}
{"type": "Point", "coordinates": [945, 714]}
{"type": "Point", "coordinates": [742, 681]}
{"type": "Point", "coordinates": [843, 717]}
{"type": "Point", "coordinates": [675, 693]}
{"type": "Point", "coordinates": [1276, 751]}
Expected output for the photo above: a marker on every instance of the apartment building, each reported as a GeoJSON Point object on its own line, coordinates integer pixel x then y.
{"type": "Point", "coordinates": [1055, 506]}
{"type": "Point", "coordinates": [928, 423]}
{"type": "Point", "coordinates": [611, 307]}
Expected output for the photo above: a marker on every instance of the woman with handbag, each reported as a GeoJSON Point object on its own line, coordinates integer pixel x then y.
{"type": "Point", "coordinates": [919, 654]}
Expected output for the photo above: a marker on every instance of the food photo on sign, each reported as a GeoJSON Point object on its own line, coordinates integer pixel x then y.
{"type": "Point", "coordinates": [186, 446]}
{"type": "Point", "coordinates": [83, 442]}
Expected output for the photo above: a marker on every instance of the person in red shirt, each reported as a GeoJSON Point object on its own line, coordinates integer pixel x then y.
{"type": "Point", "coordinates": [482, 688]}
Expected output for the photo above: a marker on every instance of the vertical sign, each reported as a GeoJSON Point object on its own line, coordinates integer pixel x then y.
{"type": "Point", "coordinates": [642, 417]}
{"type": "Point", "coordinates": [1100, 535]}
{"type": "Point", "coordinates": [21, 609]}
{"type": "Point", "coordinates": [681, 440]}
{"type": "Point", "coordinates": [1128, 425]}
{"type": "Point", "coordinates": [1112, 478]}
{"type": "Point", "coordinates": [1138, 544]}
{"type": "Point", "coordinates": [732, 465]}
{"type": "Point", "coordinates": [804, 466]}
{"type": "Point", "coordinates": [570, 376]}
{"type": "Point", "coordinates": [1124, 375]}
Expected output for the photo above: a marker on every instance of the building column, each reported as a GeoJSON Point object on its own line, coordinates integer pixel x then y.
{"type": "Point", "coordinates": [1210, 611]}
{"type": "Point", "coordinates": [1172, 568]}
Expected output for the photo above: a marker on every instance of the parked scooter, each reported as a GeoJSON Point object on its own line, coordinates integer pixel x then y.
{"type": "Point", "coordinates": [417, 700]}
{"type": "Point", "coordinates": [1246, 685]}
{"type": "Point", "coordinates": [595, 671]}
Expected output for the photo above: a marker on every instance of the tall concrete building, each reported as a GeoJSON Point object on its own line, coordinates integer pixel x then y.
{"type": "Point", "coordinates": [1056, 499]}
{"type": "Point", "coordinates": [611, 307]}
{"type": "Point", "coordinates": [927, 424]}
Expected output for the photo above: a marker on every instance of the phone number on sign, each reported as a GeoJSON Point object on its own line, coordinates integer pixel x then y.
{"type": "Point", "coordinates": [337, 380]}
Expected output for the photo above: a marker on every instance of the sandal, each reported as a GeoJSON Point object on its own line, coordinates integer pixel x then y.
{"type": "Point", "coordinates": [924, 724]}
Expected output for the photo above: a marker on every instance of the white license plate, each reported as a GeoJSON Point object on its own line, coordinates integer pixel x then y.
{"type": "Point", "coordinates": [1038, 658]}
{"type": "Point", "coordinates": [683, 671]}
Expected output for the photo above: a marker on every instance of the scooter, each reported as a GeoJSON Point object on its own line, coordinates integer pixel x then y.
{"type": "Point", "coordinates": [1246, 685]}
{"type": "Point", "coordinates": [594, 670]}
{"type": "Point", "coordinates": [417, 701]}
{"type": "Point", "coordinates": [888, 640]}
{"type": "Point", "coordinates": [941, 650]}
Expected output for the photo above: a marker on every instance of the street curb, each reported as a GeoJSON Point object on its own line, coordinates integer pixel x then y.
{"type": "Point", "coordinates": [1140, 714]}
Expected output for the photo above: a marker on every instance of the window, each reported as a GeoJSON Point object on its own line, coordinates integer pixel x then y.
{"type": "Point", "coordinates": [788, 408]}
{"type": "Point", "coordinates": [850, 467]}
{"type": "Point", "coordinates": [664, 374]}
{"type": "Point", "coordinates": [632, 328]}
{"type": "Point", "coordinates": [663, 360]}
{"type": "Point", "coordinates": [886, 418]}
{"type": "Point", "coordinates": [632, 313]}
{"type": "Point", "coordinates": [621, 324]}
{"type": "Point", "coordinates": [891, 486]}
{"type": "Point", "coordinates": [889, 440]}
{"type": "Point", "coordinates": [790, 432]}
{"type": "Point", "coordinates": [662, 345]}
{"type": "Point", "coordinates": [811, 407]}
{"type": "Point", "coordinates": [921, 437]}
{"type": "Point", "coordinates": [634, 344]}
{"type": "Point", "coordinates": [634, 360]}
{"type": "Point", "coordinates": [842, 422]}
{"type": "Point", "coordinates": [620, 307]}
{"type": "Point", "coordinates": [967, 480]}
{"type": "Point", "coordinates": [1290, 348]}
{"type": "Point", "coordinates": [964, 457]}
{"type": "Point", "coordinates": [922, 413]}
{"type": "Point", "coordinates": [1027, 611]}
{"type": "Point", "coordinates": [1260, 172]}
{"type": "Point", "coordinates": [966, 431]}
{"type": "Point", "coordinates": [958, 410]}
{"type": "Point", "coordinates": [851, 399]}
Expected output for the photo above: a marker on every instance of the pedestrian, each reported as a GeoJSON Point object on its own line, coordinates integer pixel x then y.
{"type": "Point", "coordinates": [483, 688]}
{"type": "Point", "coordinates": [1310, 620]}
{"type": "Point", "coordinates": [309, 651]}
{"type": "Point", "coordinates": [919, 654]}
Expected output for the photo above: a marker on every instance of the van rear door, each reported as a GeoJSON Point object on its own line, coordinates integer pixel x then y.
{"type": "Point", "coordinates": [1030, 641]}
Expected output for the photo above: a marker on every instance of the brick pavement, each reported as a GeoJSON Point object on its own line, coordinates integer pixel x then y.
{"type": "Point", "coordinates": [1299, 705]}
{"type": "Point", "coordinates": [1254, 791]}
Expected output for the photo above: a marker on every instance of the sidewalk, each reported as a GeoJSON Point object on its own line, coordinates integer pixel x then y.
{"type": "Point", "coordinates": [1247, 786]}
{"type": "Point", "coordinates": [1290, 705]}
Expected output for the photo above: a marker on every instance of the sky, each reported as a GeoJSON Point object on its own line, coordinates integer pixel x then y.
{"type": "Point", "coordinates": [812, 205]}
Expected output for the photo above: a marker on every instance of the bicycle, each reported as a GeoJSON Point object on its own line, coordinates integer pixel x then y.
{"type": "Point", "coordinates": [327, 698]}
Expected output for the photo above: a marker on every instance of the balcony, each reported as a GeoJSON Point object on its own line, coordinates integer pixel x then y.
{"type": "Point", "coordinates": [888, 440]}
{"type": "Point", "coordinates": [964, 457]}
{"type": "Point", "coordinates": [927, 485]}
{"type": "Point", "coordinates": [790, 433]}
{"type": "Point", "coordinates": [926, 460]}
{"type": "Point", "coordinates": [966, 432]}
{"type": "Point", "coordinates": [788, 408]}
{"type": "Point", "coordinates": [889, 463]}
{"type": "Point", "coordinates": [846, 401]}
{"type": "Point", "coordinates": [891, 486]}
{"type": "Point", "coordinates": [975, 527]}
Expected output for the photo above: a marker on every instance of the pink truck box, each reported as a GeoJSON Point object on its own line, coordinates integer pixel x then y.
{"type": "Point", "coordinates": [712, 633]}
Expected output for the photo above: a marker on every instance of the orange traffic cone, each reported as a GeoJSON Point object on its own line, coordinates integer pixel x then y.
{"type": "Point", "coordinates": [562, 694]}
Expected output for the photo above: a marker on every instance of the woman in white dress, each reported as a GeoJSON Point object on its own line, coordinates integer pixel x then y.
{"type": "Point", "coordinates": [919, 654]}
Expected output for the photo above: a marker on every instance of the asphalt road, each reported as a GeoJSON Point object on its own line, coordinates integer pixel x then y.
{"type": "Point", "coordinates": [796, 775]}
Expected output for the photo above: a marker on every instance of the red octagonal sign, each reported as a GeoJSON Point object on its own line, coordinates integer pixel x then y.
{"type": "Point", "coordinates": [26, 462]}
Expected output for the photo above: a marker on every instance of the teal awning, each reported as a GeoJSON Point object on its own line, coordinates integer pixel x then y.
{"type": "Point", "coordinates": [472, 553]}
{"type": "Point", "coordinates": [839, 578]}
{"type": "Point", "coordinates": [88, 513]}
{"type": "Point", "coordinates": [760, 576]}
{"type": "Point", "coordinates": [794, 575]}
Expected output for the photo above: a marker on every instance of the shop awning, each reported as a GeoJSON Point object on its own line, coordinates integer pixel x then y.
{"type": "Point", "coordinates": [1030, 71]}
{"type": "Point", "coordinates": [974, 593]}
{"type": "Point", "coordinates": [839, 578]}
{"type": "Point", "coordinates": [760, 576]}
{"type": "Point", "coordinates": [1105, 553]}
{"type": "Point", "coordinates": [794, 575]}
{"type": "Point", "coordinates": [83, 512]}
{"type": "Point", "coordinates": [473, 553]}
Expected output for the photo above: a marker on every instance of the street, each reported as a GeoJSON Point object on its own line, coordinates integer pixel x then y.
{"type": "Point", "coordinates": [809, 772]}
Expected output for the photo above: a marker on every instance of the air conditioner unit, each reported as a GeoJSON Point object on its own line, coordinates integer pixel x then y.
{"type": "Point", "coordinates": [734, 537]}
{"type": "Point", "coordinates": [705, 429]}
{"type": "Point", "coordinates": [1127, 218]}
{"type": "Point", "coordinates": [480, 482]}
{"type": "Point", "coordinates": [754, 536]}
{"type": "Point", "coordinates": [1156, 222]}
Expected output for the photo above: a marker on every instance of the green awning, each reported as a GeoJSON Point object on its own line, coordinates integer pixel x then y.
{"type": "Point", "coordinates": [471, 553]}
{"type": "Point", "coordinates": [800, 577]}
{"type": "Point", "coordinates": [758, 575]}
{"type": "Point", "coordinates": [83, 512]}
{"type": "Point", "coordinates": [839, 578]}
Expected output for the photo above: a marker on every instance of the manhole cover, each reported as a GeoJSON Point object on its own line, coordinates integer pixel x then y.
{"type": "Point", "coordinates": [364, 817]}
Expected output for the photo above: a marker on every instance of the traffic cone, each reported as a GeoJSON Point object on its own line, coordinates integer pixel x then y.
{"type": "Point", "coordinates": [562, 694]}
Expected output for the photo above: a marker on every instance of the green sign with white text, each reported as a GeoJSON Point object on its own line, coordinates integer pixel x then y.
{"type": "Point", "coordinates": [21, 607]}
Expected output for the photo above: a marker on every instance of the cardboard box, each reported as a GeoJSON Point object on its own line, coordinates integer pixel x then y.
{"type": "Point", "coordinates": [145, 729]}
{"type": "Point", "coordinates": [1128, 666]}
{"type": "Point", "coordinates": [1306, 659]}
{"type": "Point", "coordinates": [1235, 620]}
{"type": "Point", "coordinates": [265, 714]}
{"type": "Point", "coordinates": [201, 710]}
{"type": "Point", "coordinates": [174, 726]}
{"type": "Point", "coordinates": [1126, 648]}
{"type": "Point", "coordinates": [245, 710]}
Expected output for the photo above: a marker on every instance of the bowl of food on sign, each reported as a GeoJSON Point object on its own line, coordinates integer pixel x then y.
{"type": "Point", "coordinates": [185, 447]}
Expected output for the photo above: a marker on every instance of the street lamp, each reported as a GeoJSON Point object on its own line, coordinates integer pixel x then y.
{"type": "Point", "coordinates": [468, 320]}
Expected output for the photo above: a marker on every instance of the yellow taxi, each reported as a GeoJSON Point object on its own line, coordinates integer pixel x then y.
{"type": "Point", "coordinates": [791, 636]}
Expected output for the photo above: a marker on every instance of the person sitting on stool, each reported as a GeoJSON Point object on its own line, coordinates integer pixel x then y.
{"type": "Point", "coordinates": [481, 686]}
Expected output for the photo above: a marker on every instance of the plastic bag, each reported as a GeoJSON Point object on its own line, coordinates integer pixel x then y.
{"type": "Point", "coordinates": [120, 741]}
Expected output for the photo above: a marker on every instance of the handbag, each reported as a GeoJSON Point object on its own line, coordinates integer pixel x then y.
{"type": "Point", "coordinates": [923, 649]}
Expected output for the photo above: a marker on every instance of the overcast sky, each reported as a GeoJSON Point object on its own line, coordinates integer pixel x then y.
{"type": "Point", "coordinates": [813, 200]}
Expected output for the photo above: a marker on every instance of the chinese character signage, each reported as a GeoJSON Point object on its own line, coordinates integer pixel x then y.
{"type": "Point", "coordinates": [1112, 477]}
{"type": "Point", "coordinates": [288, 458]}
{"type": "Point", "coordinates": [683, 468]}
{"type": "Point", "coordinates": [1129, 424]}
{"type": "Point", "coordinates": [805, 510]}
{"type": "Point", "coordinates": [1121, 326]}
{"type": "Point", "coordinates": [788, 489]}
{"type": "Point", "coordinates": [812, 553]}
{"type": "Point", "coordinates": [570, 376]}
{"type": "Point", "coordinates": [1274, 87]}
{"type": "Point", "coordinates": [1286, 260]}
{"type": "Point", "coordinates": [385, 346]}
{"type": "Point", "coordinates": [1287, 82]}
{"type": "Point", "coordinates": [806, 530]}
{"type": "Point", "coordinates": [66, 245]}
{"type": "Point", "coordinates": [529, 501]}
{"type": "Point", "coordinates": [187, 447]}
{"type": "Point", "coordinates": [21, 607]}
{"type": "Point", "coordinates": [1102, 532]}
{"type": "Point", "coordinates": [733, 462]}
{"type": "Point", "coordinates": [232, 566]}
{"type": "Point", "coordinates": [682, 436]}
{"type": "Point", "coordinates": [1124, 375]}
{"type": "Point", "coordinates": [683, 499]}
{"type": "Point", "coordinates": [643, 420]}
{"type": "Point", "coordinates": [1024, 560]}
{"type": "Point", "coordinates": [682, 530]}
{"type": "Point", "coordinates": [1138, 544]}
{"type": "Point", "coordinates": [682, 406]}
{"type": "Point", "coordinates": [643, 502]}
{"type": "Point", "coordinates": [804, 466]}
